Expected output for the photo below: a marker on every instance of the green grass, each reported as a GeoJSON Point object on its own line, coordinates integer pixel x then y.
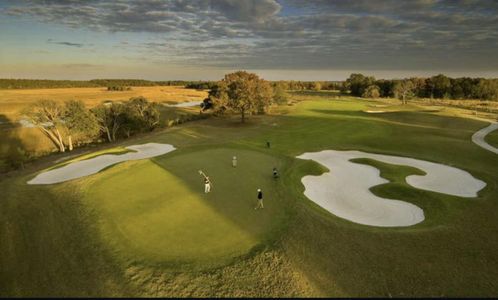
{"type": "Point", "coordinates": [145, 214]}
{"type": "Point", "coordinates": [145, 228]}
{"type": "Point", "coordinates": [492, 138]}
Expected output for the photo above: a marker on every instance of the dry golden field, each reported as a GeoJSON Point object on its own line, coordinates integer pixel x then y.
{"type": "Point", "coordinates": [13, 101]}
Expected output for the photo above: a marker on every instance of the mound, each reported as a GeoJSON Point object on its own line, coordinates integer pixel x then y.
{"type": "Point", "coordinates": [156, 210]}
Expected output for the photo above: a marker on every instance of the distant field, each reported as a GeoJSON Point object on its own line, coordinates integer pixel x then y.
{"type": "Point", "coordinates": [12, 101]}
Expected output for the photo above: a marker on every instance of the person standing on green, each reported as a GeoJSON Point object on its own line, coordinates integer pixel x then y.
{"type": "Point", "coordinates": [275, 173]}
{"type": "Point", "coordinates": [234, 161]}
{"type": "Point", "coordinates": [260, 200]}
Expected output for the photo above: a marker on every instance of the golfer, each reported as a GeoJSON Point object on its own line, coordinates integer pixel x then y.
{"type": "Point", "coordinates": [207, 185]}
{"type": "Point", "coordinates": [275, 173]}
{"type": "Point", "coordinates": [234, 161]}
{"type": "Point", "coordinates": [267, 144]}
{"type": "Point", "coordinates": [260, 200]}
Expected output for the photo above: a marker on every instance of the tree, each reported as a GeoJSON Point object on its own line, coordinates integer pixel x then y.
{"type": "Point", "coordinates": [404, 89]}
{"type": "Point", "coordinates": [438, 86]}
{"type": "Point", "coordinates": [279, 94]}
{"type": "Point", "coordinates": [110, 118]}
{"type": "Point", "coordinates": [316, 86]}
{"type": "Point", "coordinates": [48, 116]}
{"type": "Point", "coordinates": [264, 96]}
{"type": "Point", "coordinates": [487, 89]}
{"type": "Point", "coordinates": [371, 92]}
{"type": "Point", "coordinates": [385, 87]}
{"type": "Point", "coordinates": [419, 86]}
{"type": "Point", "coordinates": [16, 157]}
{"type": "Point", "coordinates": [358, 83]}
{"type": "Point", "coordinates": [79, 121]}
{"type": "Point", "coordinates": [140, 115]}
{"type": "Point", "coordinates": [244, 93]}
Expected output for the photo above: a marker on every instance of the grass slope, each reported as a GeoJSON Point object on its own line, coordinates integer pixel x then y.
{"type": "Point", "coordinates": [145, 214]}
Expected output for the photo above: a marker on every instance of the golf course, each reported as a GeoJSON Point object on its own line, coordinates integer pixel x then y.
{"type": "Point", "coordinates": [143, 226]}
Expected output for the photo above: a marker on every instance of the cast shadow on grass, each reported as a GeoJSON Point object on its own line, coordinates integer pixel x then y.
{"type": "Point", "coordinates": [12, 149]}
{"type": "Point", "coordinates": [234, 192]}
{"type": "Point", "coordinates": [50, 245]}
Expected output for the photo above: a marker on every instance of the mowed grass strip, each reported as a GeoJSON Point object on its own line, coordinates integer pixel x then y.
{"type": "Point", "coordinates": [156, 211]}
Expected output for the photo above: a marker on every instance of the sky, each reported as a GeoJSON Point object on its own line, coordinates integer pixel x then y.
{"type": "Point", "coordinates": [277, 39]}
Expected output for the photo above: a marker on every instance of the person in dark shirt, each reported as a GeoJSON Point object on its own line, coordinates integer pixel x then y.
{"type": "Point", "coordinates": [260, 200]}
{"type": "Point", "coordinates": [275, 173]}
{"type": "Point", "coordinates": [267, 144]}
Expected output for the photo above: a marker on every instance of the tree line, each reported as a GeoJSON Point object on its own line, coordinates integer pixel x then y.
{"type": "Point", "coordinates": [439, 86]}
{"type": "Point", "coordinates": [284, 84]}
{"type": "Point", "coordinates": [120, 88]}
{"type": "Point", "coordinates": [43, 83]}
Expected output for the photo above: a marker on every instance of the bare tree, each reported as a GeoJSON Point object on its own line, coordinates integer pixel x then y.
{"type": "Point", "coordinates": [404, 89]}
{"type": "Point", "coordinates": [48, 116]}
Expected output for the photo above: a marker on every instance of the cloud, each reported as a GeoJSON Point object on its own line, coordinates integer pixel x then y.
{"type": "Point", "coordinates": [77, 45]}
{"type": "Point", "coordinates": [290, 33]}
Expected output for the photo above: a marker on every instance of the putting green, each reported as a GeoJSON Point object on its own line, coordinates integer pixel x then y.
{"type": "Point", "coordinates": [156, 210]}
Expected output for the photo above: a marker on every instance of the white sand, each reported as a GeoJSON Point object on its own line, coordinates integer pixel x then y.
{"type": "Point", "coordinates": [185, 104]}
{"type": "Point", "coordinates": [344, 191]}
{"type": "Point", "coordinates": [478, 137]}
{"type": "Point", "coordinates": [93, 165]}
{"type": "Point", "coordinates": [374, 111]}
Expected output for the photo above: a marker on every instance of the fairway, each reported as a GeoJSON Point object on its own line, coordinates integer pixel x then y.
{"type": "Point", "coordinates": [156, 210]}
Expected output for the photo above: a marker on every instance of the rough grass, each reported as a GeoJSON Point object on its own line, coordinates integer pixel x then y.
{"type": "Point", "coordinates": [492, 138]}
{"type": "Point", "coordinates": [114, 151]}
{"type": "Point", "coordinates": [451, 253]}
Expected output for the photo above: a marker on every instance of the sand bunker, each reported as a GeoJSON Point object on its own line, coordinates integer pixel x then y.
{"type": "Point", "coordinates": [344, 191]}
{"type": "Point", "coordinates": [374, 111]}
{"type": "Point", "coordinates": [93, 165]}
{"type": "Point", "coordinates": [478, 137]}
{"type": "Point", "coordinates": [185, 104]}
